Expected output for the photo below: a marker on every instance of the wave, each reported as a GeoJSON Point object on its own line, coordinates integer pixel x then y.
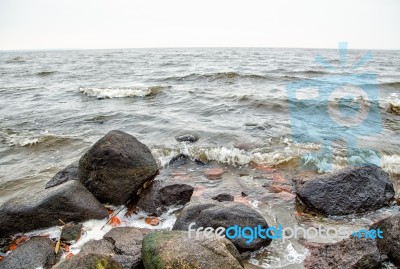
{"type": "Point", "coordinates": [216, 76]}
{"type": "Point", "coordinates": [122, 92]}
{"type": "Point", "coordinates": [29, 140]}
{"type": "Point", "coordinates": [45, 73]}
{"type": "Point", "coordinates": [286, 156]}
{"type": "Point", "coordinates": [15, 60]}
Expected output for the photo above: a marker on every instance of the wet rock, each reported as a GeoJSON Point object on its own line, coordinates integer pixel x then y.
{"type": "Point", "coordinates": [71, 232]}
{"type": "Point", "coordinates": [224, 214]}
{"type": "Point", "coordinates": [174, 249]}
{"type": "Point", "coordinates": [116, 167]}
{"type": "Point", "coordinates": [350, 190]}
{"type": "Point", "coordinates": [223, 197]}
{"type": "Point", "coordinates": [390, 243]}
{"type": "Point", "coordinates": [161, 195]}
{"type": "Point", "coordinates": [214, 173]}
{"type": "Point", "coordinates": [68, 173]}
{"type": "Point", "coordinates": [70, 201]}
{"type": "Point", "coordinates": [89, 260]}
{"type": "Point", "coordinates": [36, 252]}
{"type": "Point", "coordinates": [394, 109]}
{"type": "Point", "coordinates": [352, 253]}
{"type": "Point", "coordinates": [179, 159]}
{"type": "Point", "coordinates": [123, 244]}
{"type": "Point", "coordinates": [191, 138]}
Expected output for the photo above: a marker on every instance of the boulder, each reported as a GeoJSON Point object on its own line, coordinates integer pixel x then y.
{"type": "Point", "coordinates": [123, 244]}
{"type": "Point", "coordinates": [222, 197]}
{"type": "Point", "coordinates": [174, 249]}
{"type": "Point", "coordinates": [70, 201]}
{"type": "Point", "coordinates": [37, 252]}
{"type": "Point", "coordinates": [116, 167]}
{"type": "Point", "coordinates": [348, 191]}
{"type": "Point", "coordinates": [352, 253]}
{"type": "Point", "coordinates": [89, 260]}
{"type": "Point", "coordinates": [162, 194]}
{"type": "Point", "coordinates": [390, 243]}
{"type": "Point", "coordinates": [224, 214]}
{"type": "Point", "coordinates": [68, 173]}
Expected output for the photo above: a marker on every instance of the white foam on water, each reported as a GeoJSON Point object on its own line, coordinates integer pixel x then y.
{"type": "Point", "coordinates": [391, 164]}
{"type": "Point", "coordinates": [136, 91]}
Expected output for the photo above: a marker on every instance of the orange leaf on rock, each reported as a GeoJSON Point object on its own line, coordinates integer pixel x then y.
{"type": "Point", "coordinates": [115, 221]}
{"type": "Point", "coordinates": [69, 255]}
{"type": "Point", "coordinates": [13, 246]}
{"type": "Point", "coordinates": [152, 221]}
{"type": "Point", "coordinates": [1, 258]}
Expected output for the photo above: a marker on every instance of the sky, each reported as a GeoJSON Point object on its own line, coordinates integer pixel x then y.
{"type": "Point", "coordinates": [105, 24]}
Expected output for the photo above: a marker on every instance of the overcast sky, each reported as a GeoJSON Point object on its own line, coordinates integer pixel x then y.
{"type": "Point", "coordinates": [85, 24]}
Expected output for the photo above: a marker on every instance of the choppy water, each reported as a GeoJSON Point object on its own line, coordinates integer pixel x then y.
{"type": "Point", "coordinates": [55, 104]}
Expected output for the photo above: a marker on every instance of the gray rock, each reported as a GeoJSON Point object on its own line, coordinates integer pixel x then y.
{"type": "Point", "coordinates": [36, 252]}
{"type": "Point", "coordinates": [191, 138]}
{"type": "Point", "coordinates": [160, 195]}
{"type": "Point", "coordinates": [89, 260]}
{"type": "Point", "coordinates": [71, 232]}
{"type": "Point", "coordinates": [223, 197]}
{"type": "Point", "coordinates": [67, 202]}
{"type": "Point", "coordinates": [390, 243]}
{"type": "Point", "coordinates": [351, 190]}
{"type": "Point", "coordinates": [68, 173]}
{"type": "Point", "coordinates": [352, 253]}
{"type": "Point", "coordinates": [123, 244]}
{"type": "Point", "coordinates": [174, 249]}
{"type": "Point", "coordinates": [116, 167]}
{"type": "Point", "coordinates": [224, 214]}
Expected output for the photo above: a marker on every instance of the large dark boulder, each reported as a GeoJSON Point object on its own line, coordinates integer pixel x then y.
{"type": "Point", "coordinates": [390, 243]}
{"type": "Point", "coordinates": [70, 201]}
{"type": "Point", "coordinates": [36, 252]}
{"type": "Point", "coordinates": [157, 198]}
{"type": "Point", "coordinates": [89, 261]}
{"type": "Point", "coordinates": [224, 214]}
{"type": "Point", "coordinates": [116, 167]}
{"type": "Point", "coordinates": [68, 173]}
{"type": "Point", "coordinates": [174, 249]}
{"type": "Point", "coordinates": [351, 190]}
{"type": "Point", "coordinates": [123, 244]}
{"type": "Point", "coordinates": [352, 253]}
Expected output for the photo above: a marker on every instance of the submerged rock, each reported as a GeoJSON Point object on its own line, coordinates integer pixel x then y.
{"type": "Point", "coordinates": [390, 243]}
{"type": "Point", "coordinates": [224, 214]}
{"type": "Point", "coordinates": [68, 173]}
{"type": "Point", "coordinates": [352, 253]}
{"type": "Point", "coordinates": [174, 249]}
{"type": "Point", "coordinates": [70, 201]}
{"type": "Point", "coordinates": [191, 138]}
{"type": "Point", "coordinates": [223, 197]}
{"type": "Point", "coordinates": [350, 190]}
{"type": "Point", "coordinates": [123, 244]}
{"type": "Point", "coordinates": [37, 252]}
{"type": "Point", "coordinates": [89, 260]}
{"type": "Point", "coordinates": [160, 195]}
{"type": "Point", "coordinates": [116, 167]}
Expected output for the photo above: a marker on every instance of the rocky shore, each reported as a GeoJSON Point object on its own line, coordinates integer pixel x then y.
{"type": "Point", "coordinates": [119, 171]}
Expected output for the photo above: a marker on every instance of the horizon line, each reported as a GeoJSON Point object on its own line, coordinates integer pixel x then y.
{"type": "Point", "coordinates": [188, 47]}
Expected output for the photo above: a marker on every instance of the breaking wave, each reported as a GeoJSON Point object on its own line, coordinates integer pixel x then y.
{"type": "Point", "coordinates": [122, 92]}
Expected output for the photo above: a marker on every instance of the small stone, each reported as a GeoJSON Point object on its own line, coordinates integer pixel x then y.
{"type": "Point", "coordinates": [191, 138]}
{"type": "Point", "coordinates": [223, 197]}
{"type": "Point", "coordinates": [71, 232]}
{"type": "Point", "coordinates": [153, 221]}
{"type": "Point", "coordinates": [214, 173]}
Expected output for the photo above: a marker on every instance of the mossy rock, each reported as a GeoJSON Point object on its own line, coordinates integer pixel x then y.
{"type": "Point", "coordinates": [90, 261]}
{"type": "Point", "coordinates": [175, 250]}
